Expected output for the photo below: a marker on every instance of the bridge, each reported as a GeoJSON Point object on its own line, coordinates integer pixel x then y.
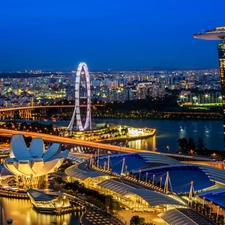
{"type": "Point", "coordinates": [107, 147]}
{"type": "Point", "coordinates": [36, 107]}
{"type": "Point", "coordinates": [26, 111]}
{"type": "Point", "coordinates": [65, 140]}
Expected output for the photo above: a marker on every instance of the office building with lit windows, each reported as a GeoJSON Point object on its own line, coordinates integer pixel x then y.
{"type": "Point", "coordinates": [218, 34]}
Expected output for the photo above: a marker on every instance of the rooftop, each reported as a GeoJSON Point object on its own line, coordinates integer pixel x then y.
{"type": "Point", "coordinates": [80, 174]}
{"type": "Point", "coordinates": [184, 216]}
{"type": "Point", "coordinates": [39, 195]}
{"type": "Point", "coordinates": [153, 198]}
{"type": "Point", "coordinates": [215, 34]}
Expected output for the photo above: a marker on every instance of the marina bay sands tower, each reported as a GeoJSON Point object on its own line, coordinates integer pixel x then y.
{"type": "Point", "coordinates": [218, 34]}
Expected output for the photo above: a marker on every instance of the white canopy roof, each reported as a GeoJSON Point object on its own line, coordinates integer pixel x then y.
{"type": "Point", "coordinates": [74, 171]}
{"type": "Point", "coordinates": [214, 174]}
{"type": "Point", "coordinates": [184, 216]}
{"type": "Point", "coordinates": [157, 158]}
{"type": "Point", "coordinates": [153, 198]}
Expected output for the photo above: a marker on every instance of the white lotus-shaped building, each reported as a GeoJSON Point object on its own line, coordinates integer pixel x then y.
{"type": "Point", "coordinates": [34, 161]}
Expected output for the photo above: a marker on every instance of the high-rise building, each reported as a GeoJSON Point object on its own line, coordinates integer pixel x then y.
{"type": "Point", "coordinates": [218, 34]}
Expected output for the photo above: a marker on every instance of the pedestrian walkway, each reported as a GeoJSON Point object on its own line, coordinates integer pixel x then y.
{"type": "Point", "coordinates": [95, 218]}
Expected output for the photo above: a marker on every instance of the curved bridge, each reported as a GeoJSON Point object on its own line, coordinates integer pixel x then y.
{"type": "Point", "coordinates": [65, 140]}
{"type": "Point", "coordinates": [35, 107]}
{"type": "Point", "coordinates": [26, 111]}
{"type": "Point", "coordinates": [107, 147]}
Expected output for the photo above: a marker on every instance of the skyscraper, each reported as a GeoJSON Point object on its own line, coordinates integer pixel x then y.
{"type": "Point", "coordinates": [218, 34]}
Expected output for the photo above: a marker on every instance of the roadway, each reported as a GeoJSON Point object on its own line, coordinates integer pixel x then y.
{"type": "Point", "coordinates": [65, 140]}
{"type": "Point", "coordinates": [108, 147]}
{"type": "Point", "coordinates": [39, 107]}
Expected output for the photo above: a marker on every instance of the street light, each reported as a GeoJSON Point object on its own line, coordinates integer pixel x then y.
{"type": "Point", "coordinates": [217, 213]}
{"type": "Point", "coordinates": [168, 148]}
{"type": "Point", "coordinates": [210, 208]}
{"type": "Point", "coordinates": [181, 96]}
{"type": "Point", "coordinates": [153, 179]}
{"type": "Point", "coordinates": [206, 98]}
{"type": "Point", "coordinates": [146, 177]}
{"type": "Point", "coordinates": [139, 175]}
{"type": "Point", "coordinates": [160, 182]}
{"type": "Point", "coordinates": [195, 99]}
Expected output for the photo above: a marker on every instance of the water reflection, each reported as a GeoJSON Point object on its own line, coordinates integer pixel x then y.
{"type": "Point", "coordinates": [169, 131]}
{"type": "Point", "coordinates": [22, 213]}
{"type": "Point", "coordinates": [145, 144]}
{"type": "Point", "coordinates": [181, 128]}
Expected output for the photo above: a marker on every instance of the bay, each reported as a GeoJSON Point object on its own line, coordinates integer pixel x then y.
{"type": "Point", "coordinates": [169, 131]}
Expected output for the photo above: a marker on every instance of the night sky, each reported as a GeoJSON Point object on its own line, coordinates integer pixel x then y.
{"type": "Point", "coordinates": [108, 34]}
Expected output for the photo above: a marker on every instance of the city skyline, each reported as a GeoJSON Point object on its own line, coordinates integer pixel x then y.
{"type": "Point", "coordinates": [113, 35]}
{"type": "Point", "coordinates": [218, 33]}
{"type": "Point", "coordinates": [138, 137]}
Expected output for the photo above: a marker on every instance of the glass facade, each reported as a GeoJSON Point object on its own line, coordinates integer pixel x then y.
{"type": "Point", "coordinates": [221, 52]}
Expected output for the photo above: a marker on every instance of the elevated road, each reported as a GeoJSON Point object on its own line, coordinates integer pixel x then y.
{"type": "Point", "coordinates": [65, 140]}
{"type": "Point", "coordinates": [36, 107]}
{"type": "Point", "coordinates": [107, 147]}
{"type": "Point", "coordinates": [39, 107]}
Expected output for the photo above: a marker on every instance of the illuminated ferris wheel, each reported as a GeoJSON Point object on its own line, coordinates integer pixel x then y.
{"type": "Point", "coordinates": [82, 92]}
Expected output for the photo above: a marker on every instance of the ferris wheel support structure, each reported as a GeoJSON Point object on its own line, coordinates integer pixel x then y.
{"type": "Point", "coordinates": [76, 113]}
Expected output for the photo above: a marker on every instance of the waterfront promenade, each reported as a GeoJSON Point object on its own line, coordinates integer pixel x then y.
{"type": "Point", "coordinates": [121, 138]}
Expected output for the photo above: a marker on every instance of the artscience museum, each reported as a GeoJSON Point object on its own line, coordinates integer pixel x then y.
{"type": "Point", "coordinates": [31, 165]}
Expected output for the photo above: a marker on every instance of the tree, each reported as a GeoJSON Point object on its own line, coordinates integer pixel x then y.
{"type": "Point", "coordinates": [136, 220]}
{"type": "Point", "coordinates": [116, 205]}
{"type": "Point", "coordinates": [183, 144]}
{"type": "Point", "coordinates": [58, 180]}
{"type": "Point", "coordinates": [191, 144]}
{"type": "Point", "coordinates": [200, 144]}
{"type": "Point", "coordinates": [109, 201]}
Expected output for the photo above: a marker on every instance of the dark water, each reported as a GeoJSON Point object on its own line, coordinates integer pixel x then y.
{"type": "Point", "coordinates": [169, 131]}
{"type": "Point", "coordinates": [22, 213]}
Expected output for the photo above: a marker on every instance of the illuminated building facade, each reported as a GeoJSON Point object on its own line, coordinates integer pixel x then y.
{"type": "Point", "coordinates": [221, 53]}
{"type": "Point", "coordinates": [218, 34]}
{"type": "Point", "coordinates": [47, 204]}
